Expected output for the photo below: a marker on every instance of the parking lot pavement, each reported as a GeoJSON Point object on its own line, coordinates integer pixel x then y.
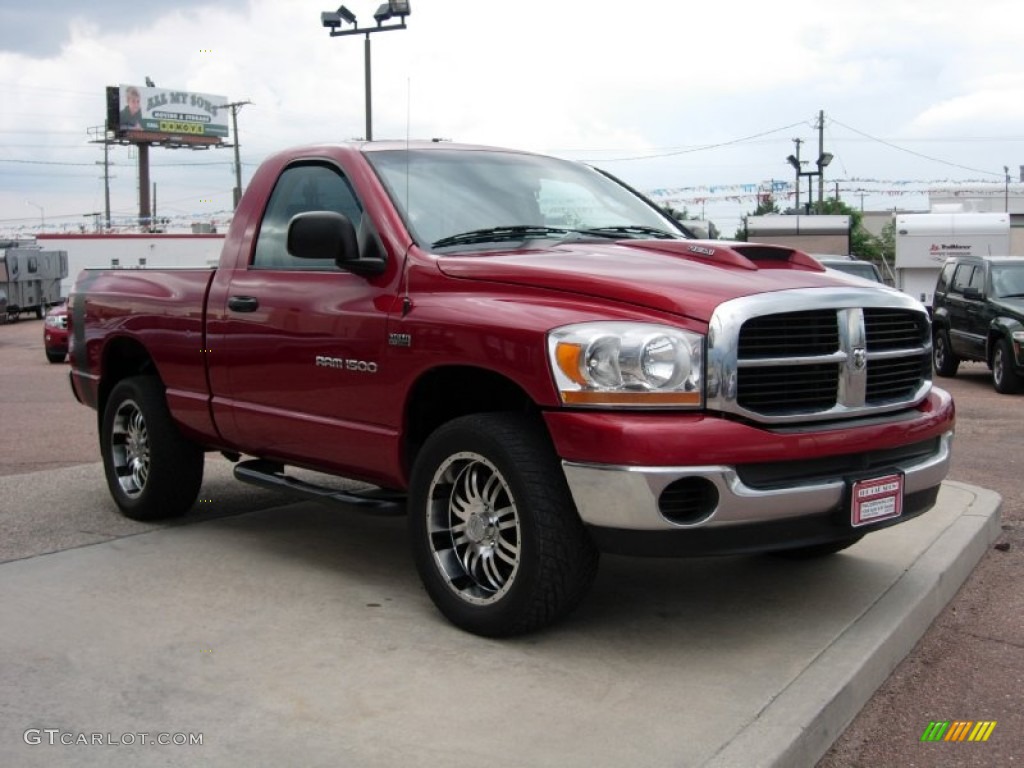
{"type": "Point", "coordinates": [299, 634]}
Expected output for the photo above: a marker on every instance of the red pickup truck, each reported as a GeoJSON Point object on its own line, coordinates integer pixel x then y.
{"type": "Point", "coordinates": [527, 358]}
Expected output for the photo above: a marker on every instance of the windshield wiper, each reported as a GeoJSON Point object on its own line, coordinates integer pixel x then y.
{"type": "Point", "coordinates": [499, 234]}
{"type": "Point", "coordinates": [630, 229]}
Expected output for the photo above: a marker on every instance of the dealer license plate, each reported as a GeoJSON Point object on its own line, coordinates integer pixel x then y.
{"type": "Point", "coordinates": [880, 498]}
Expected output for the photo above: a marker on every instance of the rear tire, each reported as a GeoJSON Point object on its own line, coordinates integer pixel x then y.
{"type": "Point", "coordinates": [946, 363]}
{"type": "Point", "coordinates": [496, 537]}
{"type": "Point", "coordinates": [152, 471]}
{"type": "Point", "coordinates": [1004, 376]}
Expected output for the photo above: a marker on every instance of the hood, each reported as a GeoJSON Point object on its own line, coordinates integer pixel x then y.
{"type": "Point", "coordinates": [684, 277]}
{"type": "Point", "coordinates": [1011, 306]}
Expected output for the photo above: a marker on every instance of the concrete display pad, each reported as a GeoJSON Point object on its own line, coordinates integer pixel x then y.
{"type": "Point", "coordinates": [299, 635]}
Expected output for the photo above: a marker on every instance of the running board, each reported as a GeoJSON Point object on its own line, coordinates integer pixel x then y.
{"type": "Point", "coordinates": [267, 474]}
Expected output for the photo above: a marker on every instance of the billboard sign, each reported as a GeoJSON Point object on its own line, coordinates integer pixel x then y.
{"type": "Point", "coordinates": [179, 115]}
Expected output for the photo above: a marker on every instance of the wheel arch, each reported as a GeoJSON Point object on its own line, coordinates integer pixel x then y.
{"type": "Point", "coordinates": [1000, 328]}
{"type": "Point", "coordinates": [122, 357]}
{"type": "Point", "coordinates": [448, 392]}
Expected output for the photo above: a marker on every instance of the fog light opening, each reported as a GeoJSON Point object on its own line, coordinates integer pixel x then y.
{"type": "Point", "coordinates": [688, 501]}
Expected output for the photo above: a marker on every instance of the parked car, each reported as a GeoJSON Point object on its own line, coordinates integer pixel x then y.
{"type": "Point", "coordinates": [55, 333]}
{"type": "Point", "coordinates": [978, 314]}
{"type": "Point", "coordinates": [850, 265]}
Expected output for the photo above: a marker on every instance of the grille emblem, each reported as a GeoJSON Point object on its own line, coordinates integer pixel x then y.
{"type": "Point", "coordinates": [860, 358]}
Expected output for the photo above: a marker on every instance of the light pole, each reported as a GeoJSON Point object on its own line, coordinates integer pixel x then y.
{"type": "Point", "coordinates": [333, 21]}
{"type": "Point", "coordinates": [794, 160]}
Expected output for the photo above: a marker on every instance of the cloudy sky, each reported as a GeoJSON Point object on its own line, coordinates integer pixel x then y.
{"type": "Point", "coordinates": [699, 103]}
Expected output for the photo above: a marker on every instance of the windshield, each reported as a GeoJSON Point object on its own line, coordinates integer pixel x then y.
{"type": "Point", "coordinates": [1008, 281]}
{"type": "Point", "coordinates": [462, 196]}
{"type": "Point", "coordinates": [867, 271]}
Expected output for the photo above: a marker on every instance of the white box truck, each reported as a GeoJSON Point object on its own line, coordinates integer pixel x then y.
{"type": "Point", "coordinates": [925, 240]}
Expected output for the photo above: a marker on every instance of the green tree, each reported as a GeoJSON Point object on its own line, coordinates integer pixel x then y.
{"type": "Point", "coordinates": [863, 244]}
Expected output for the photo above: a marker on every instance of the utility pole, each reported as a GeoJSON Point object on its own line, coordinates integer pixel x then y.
{"type": "Point", "coordinates": [821, 153]}
{"type": "Point", "coordinates": [798, 142]}
{"type": "Point", "coordinates": [235, 106]}
{"type": "Point", "coordinates": [101, 131]}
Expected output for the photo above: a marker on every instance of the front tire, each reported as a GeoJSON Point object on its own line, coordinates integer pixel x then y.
{"type": "Point", "coordinates": [55, 357]}
{"type": "Point", "coordinates": [496, 537]}
{"type": "Point", "coordinates": [152, 471]}
{"type": "Point", "coordinates": [946, 363]}
{"type": "Point", "coordinates": [1004, 376]}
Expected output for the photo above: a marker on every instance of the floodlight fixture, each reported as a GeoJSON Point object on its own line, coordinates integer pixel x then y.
{"type": "Point", "coordinates": [335, 20]}
{"type": "Point", "coordinates": [793, 161]}
{"type": "Point", "coordinates": [824, 159]}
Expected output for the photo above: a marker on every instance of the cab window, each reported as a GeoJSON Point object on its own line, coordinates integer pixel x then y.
{"type": "Point", "coordinates": [966, 277]}
{"type": "Point", "coordinates": [302, 188]}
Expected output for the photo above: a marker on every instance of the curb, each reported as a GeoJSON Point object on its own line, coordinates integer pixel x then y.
{"type": "Point", "coordinates": [804, 720]}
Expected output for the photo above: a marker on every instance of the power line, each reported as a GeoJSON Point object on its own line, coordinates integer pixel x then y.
{"type": "Point", "coordinates": [912, 152]}
{"type": "Point", "coordinates": [704, 147]}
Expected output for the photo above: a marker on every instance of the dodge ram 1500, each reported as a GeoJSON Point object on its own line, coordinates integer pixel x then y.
{"type": "Point", "coordinates": [526, 357]}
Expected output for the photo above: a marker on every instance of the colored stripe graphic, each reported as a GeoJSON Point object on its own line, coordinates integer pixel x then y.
{"type": "Point", "coordinates": [982, 730]}
{"type": "Point", "coordinates": [958, 730]}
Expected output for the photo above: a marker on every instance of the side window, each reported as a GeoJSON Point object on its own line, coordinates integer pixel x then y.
{"type": "Point", "coordinates": [978, 279]}
{"type": "Point", "coordinates": [944, 277]}
{"type": "Point", "coordinates": [302, 188]}
{"type": "Point", "coordinates": [962, 278]}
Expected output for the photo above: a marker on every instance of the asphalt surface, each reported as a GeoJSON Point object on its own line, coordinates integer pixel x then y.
{"type": "Point", "coordinates": [641, 675]}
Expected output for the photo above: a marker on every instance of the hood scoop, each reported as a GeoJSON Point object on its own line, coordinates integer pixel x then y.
{"type": "Point", "coordinates": [751, 256]}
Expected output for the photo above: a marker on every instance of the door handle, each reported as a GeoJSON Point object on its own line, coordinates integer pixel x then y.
{"type": "Point", "coordinates": [243, 303]}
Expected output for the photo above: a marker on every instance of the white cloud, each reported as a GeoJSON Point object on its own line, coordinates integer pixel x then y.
{"type": "Point", "coordinates": [596, 80]}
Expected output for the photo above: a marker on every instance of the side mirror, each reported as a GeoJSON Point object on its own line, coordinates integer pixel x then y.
{"type": "Point", "coordinates": [330, 235]}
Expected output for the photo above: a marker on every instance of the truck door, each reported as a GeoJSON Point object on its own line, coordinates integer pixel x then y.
{"type": "Point", "coordinates": [966, 303]}
{"type": "Point", "coordinates": [296, 353]}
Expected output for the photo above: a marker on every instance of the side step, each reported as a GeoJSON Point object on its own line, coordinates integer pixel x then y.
{"type": "Point", "coordinates": [267, 474]}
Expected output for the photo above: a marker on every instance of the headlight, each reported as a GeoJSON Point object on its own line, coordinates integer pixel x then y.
{"type": "Point", "coordinates": [52, 321]}
{"type": "Point", "coordinates": [640, 365]}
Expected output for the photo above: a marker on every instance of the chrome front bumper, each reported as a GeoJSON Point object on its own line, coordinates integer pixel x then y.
{"type": "Point", "coordinates": [627, 498]}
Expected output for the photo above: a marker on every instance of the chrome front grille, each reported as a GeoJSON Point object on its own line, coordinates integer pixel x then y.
{"type": "Point", "coordinates": [818, 354]}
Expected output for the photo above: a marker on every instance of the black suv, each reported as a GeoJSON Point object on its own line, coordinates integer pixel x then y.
{"type": "Point", "coordinates": [978, 314]}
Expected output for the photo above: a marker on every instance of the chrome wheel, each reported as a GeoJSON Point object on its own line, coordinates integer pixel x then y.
{"type": "Point", "coordinates": [152, 470]}
{"type": "Point", "coordinates": [1004, 376]}
{"type": "Point", "coordinates": [129, 447]}
{"type": "Point", "coordinates": [497, 541]}
{"type": "Point", "coordinates": [474, 530]}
